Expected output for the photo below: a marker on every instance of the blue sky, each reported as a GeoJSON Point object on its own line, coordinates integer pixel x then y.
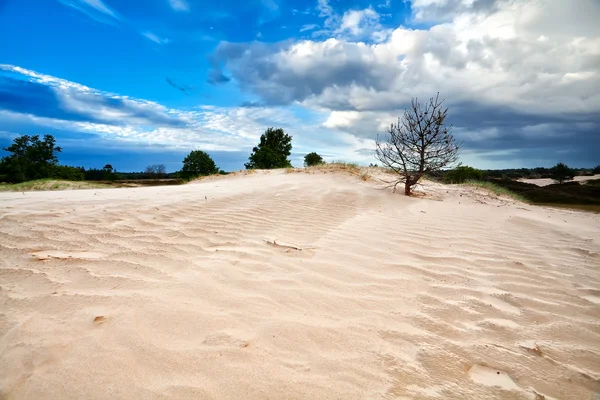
{"type": "Point", "coordinates": [133, 83]}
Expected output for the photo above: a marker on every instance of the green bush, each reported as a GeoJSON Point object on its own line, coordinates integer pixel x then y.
{"type": "Point", "coordinates": [312, 159]}
{"type": "Point", "coordinates": [67, 173]}
{"type": "Point", "coordinates": [462, 174]}
{"type": "Point", "coordinates": [561, 173]}
{"type": "Point", "coordinates": [198, 163]}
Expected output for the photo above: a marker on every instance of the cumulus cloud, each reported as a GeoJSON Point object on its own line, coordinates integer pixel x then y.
{"type": "Point", "coordinates": [362, 24]}
{"type": "Point", "coordinates": [501, 65]}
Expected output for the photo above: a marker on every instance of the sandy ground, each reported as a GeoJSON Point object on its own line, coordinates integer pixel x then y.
{"type": "Point", "coordinates": [548, 181]}
{"type": "Point", "coordinates": [296, 286]}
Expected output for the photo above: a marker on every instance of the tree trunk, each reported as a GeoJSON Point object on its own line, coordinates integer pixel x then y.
{"type": "Point", "coordinates": [407, 185]}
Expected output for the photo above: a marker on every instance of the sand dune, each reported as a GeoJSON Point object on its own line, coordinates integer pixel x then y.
{"type": "Point", "coordinates": [296, 286]}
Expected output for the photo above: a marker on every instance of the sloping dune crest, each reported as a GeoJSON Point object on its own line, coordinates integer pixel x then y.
{"type": "Point", "coordinates": [295, 286]}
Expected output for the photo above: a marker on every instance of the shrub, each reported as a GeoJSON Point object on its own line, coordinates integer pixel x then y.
{"type": "Point", "coordinates": [198, 163]}
{"type": "Point", "coordinates": [463, 173]}
{"type": "Point", "coordinates": [561, 173]}
{"type": "Point", "coordinates": [312, 159]}
{"type": "Point", "coordinates": [68, 173]}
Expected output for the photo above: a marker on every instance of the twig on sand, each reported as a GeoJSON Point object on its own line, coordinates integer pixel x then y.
{"type": "Point", "coordinates": [274, 243]}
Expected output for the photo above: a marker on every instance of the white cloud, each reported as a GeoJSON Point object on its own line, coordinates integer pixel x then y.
{"type": "Point", "coordinates": [95, 9]}
{"type": "Point", "coordinates": [497, 60]}
{"type": "Point", "coordinates": [155, 38]}
{"type": "Point", "coordinates": [78, 108]}
{"type": "Point", "coordinates": [308, 27]}
{"type": "Point", "coordinates": [362, 24]}
{"type": "Point", "coordinates": [502, 65]}
{"type": "Point", "coordinates": [179, 5]}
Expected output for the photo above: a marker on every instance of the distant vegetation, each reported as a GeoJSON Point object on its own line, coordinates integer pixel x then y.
{"type": "Point", "coordinates": [585, 195]}
{"type": "Point", "coordinates": [35, 160]}
{"type": "Point", "coordinates": [461, 174]}
{"type": "Point", "coordinates": [312, 159]}
{"type": "Point", "coordinates": [198, 163]}
{"type": "Point", "coordinates": [156, 171]}
{"type": "Point", "coordinates": [561, 173]}
{"type": "Point", "coordinates": [50, 184]}
{"type": "Point", "coordinates": [30, 158]}
{"type": "Point", "coordinates": [272, 151]}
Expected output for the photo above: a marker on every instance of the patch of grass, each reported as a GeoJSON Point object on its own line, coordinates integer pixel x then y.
{"type": "Point", "coordinates": [365, 176]}
{"type": "Point", "coordinates": [496, 189]}
{"type": "Point", "coordinates": [49, 184]}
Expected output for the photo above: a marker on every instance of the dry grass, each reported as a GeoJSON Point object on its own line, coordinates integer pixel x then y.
{"type": "Point", "coordinates": [329, 167]}
{"type": "Point", "coordinates": [496, 189]}
{"type": "Point", "coordinates": [50, 184]}
{"type": "Point", "coordinates": [363, 173]}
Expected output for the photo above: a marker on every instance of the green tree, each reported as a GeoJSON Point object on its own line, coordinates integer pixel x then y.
{"type": "Point", "coordinates": [198, 163]}
{"type": "Point", "coordinates": [561, 173]}
{"type": "Point", "coordinates": [68, 173]}
{"type": "Point", "coordinates": [30, 158]}
{"type": "Point", "coordinates": [272, 152]}
{"type": "Point", "coordinates": [312, 159]}
{"type": "Point", "coordinates": [463, 173]}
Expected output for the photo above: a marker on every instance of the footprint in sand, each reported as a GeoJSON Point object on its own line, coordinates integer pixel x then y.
{"type": "Point", "coordinates": [492, 377]}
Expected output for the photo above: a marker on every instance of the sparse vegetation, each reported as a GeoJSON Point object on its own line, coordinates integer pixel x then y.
{"type": "Point", "coordinates": [420, 143]}
{"type": "Point", "coordinates": [272, 152]}
{"type": "Point", "coordinates": [156, 171]}
{"type": "Point", "coordinates": [496, 189]}
{"type": "Point", "coordinates": [49, 184]}
{"type": "Point", "coordinates": [572, 193]}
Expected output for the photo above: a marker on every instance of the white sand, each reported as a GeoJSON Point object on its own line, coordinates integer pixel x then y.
{"type": "Point", "coordinates": [548, 181]}
{"type": "Point", "coordinates": [160, 293]}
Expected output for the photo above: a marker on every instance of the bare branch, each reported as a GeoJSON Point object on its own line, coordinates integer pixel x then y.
{"type": "Point", "coordinates": [418, 143]}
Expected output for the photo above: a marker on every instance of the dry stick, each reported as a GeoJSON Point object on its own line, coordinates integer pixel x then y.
{"type": "Point", "coordinates": [274, 243]}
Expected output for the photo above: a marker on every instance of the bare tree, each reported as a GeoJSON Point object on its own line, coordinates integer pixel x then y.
{"type": "Point", "coordinates": [418, 144]}
{"type": "Point", "coordinates": [156, 170]}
